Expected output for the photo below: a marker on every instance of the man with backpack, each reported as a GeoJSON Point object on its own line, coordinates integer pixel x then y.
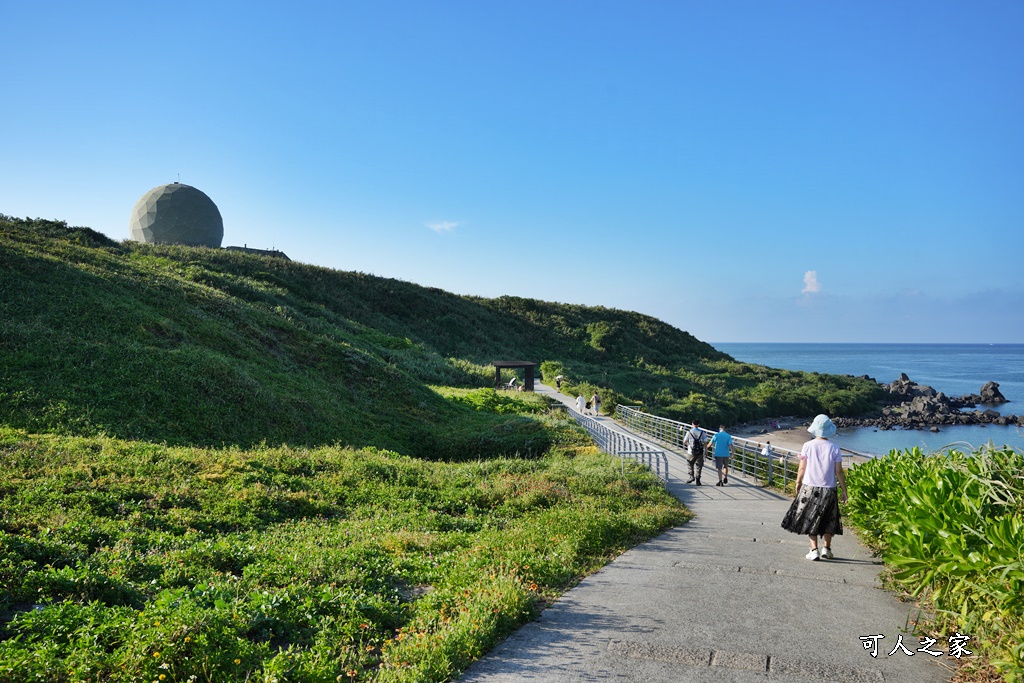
{"type": "Point", "coordinates": [694, 444]}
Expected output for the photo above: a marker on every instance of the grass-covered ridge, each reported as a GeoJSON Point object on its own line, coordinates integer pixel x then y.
{"type": "Point", "coordinates": [208, 346]}
{"type": "Point", "coordinates": [129, 561]}
{"type": "Point", "coordinates": [197, 346]}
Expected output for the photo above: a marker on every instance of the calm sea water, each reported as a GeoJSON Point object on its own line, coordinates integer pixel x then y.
{"type": "Point", "coordinates": [955, 369]}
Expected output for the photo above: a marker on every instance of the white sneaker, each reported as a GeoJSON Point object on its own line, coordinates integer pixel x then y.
{"type": "Point", "coordinates": [826, 553]}
{"type": "Point", "coordinates": [813, 555]}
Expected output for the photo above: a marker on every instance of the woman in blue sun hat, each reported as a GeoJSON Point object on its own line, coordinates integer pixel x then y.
{"type": "Point", "coordinates": [815, 510]}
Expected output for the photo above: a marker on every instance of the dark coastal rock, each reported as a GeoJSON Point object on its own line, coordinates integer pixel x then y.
{"type": "Point", "coordinates": [990, 393]}
{"type": "Point", "coordinates": [906, 388]}
{"type": "Point", "coordinates": [968, 400]}
{"type": "Point", "coordinates": [901, 387]}
{"type": "Point", "coordinates": [917, 406]}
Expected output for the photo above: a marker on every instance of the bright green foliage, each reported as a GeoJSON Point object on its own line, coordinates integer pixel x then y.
{"type": "Point", "coordinates": [125, 561]}
{"type": "Point", "coordinates": [501, 403]}
{"type": "Point", "coordinates": [720, 391]}
{"type": "Point", "coordinates": [952, 527]}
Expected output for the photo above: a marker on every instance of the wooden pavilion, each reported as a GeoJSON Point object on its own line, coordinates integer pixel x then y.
{"type": "Point", "coordinates": [526, 366]}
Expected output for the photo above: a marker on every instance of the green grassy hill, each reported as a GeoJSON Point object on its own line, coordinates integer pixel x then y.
{"type": "Point", "coordinates": [208, 346]}
{"type": "Point", "coordinates": [200, 477]}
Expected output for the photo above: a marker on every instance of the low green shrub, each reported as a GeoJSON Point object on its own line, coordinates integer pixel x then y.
{"type": "Point", "coordinates": [131, 561]}
{"type": "Point", "coordinates": [497, 402]}
{"type": "Point", "coordinates": [951, 525]}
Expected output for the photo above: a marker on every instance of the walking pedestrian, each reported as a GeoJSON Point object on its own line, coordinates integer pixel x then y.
{"type": "Point", "coordinates": [721, 448]}
{"type": "Point", "coordinates": [595, 402]}
{"type": "Point", "coordinates": [815, 510]}
{"type": "Point", "coordinates": [581, 404]}
{"type": "Point", "coordinates": [694, 444]}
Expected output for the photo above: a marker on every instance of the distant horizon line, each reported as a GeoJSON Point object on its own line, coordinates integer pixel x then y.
{"type": "Point", "coordinates": [852, 343]}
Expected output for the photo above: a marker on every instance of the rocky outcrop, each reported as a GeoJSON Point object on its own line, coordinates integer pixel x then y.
{"type": "Point", "coordinates": [916, 406]}
{"type": "Point", "coordinates": [907, 389]}
{"type": "Point", "coordinates": [990, 393]}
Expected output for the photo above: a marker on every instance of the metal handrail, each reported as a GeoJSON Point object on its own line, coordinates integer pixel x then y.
{"type": "Point", "coordinates": [747, 455]}
{"type": "Point", "coordinates": [623, 445]}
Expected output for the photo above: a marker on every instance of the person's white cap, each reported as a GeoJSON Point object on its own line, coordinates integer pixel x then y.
{"type": "Point", "coordinates": [822, 426]}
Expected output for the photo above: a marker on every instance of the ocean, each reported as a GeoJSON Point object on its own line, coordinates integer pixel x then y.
{"type": "Point", "coordinates": [955, 369]}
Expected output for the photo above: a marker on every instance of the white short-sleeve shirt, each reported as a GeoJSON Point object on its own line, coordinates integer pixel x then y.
{"type": "Point", "coordinates": [821, 456]}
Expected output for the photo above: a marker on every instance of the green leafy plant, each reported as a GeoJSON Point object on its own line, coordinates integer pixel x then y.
{"type": "Point", "coordinates": [951, 525]}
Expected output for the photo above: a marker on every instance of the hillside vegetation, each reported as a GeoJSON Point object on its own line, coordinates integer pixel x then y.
{"type": "Point", "coordinates": [206, 346]}
{"type": "Point", "coordinates": [220, 466]}
{"type": "Point", "coordinates": [131, 561]}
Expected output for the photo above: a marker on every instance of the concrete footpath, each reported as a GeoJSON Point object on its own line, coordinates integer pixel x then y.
{"type": "Point", "coordinates": [728, 596]}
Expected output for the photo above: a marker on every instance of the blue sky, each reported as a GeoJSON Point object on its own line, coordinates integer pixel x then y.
{"type": "Point", "coordinates": [746, 171]}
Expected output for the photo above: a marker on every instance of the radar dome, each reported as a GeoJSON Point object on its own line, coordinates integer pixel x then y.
{"type": "Point", "coordinates": [177, 214]}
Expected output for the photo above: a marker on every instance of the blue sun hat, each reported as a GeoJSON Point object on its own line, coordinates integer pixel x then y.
{"type": "Point", "coordinates": [822, 426]}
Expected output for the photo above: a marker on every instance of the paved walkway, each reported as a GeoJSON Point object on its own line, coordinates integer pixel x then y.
{"type": "Point", "coordinates": [725, 597]}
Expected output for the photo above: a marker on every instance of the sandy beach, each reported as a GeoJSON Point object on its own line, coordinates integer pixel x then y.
{"type": "Point", "coordinates": [791, 433]}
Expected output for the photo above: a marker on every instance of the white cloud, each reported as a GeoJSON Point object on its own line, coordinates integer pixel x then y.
{"type": "Point", "coordinates": [811, 285]}
{"type": "Point", "coordinates": [441, 227]}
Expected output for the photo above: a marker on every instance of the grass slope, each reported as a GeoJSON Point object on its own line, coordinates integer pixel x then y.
{"type": "Point", "coordinates": [208, 346]}
{"type": "Point", "coordinates": [131, 561]}
{"type": "Point", "coordinates": [151, 344]}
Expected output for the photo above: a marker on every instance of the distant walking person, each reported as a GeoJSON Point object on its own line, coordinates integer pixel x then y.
{"type": "Point", "coordinates": [767, 451]}
{"type": "Point", "coordinates": [815, 510]}
{"type": "Point", "coordinates": [595, 401]}
{"type": "Point", "coordinates": [558, 383]}
{"type": "Point", "coordinates": [581, 404]}
{"type": "Point", "coordinates": [721, 448]}
{"type": "Point", "coordinates": [694, 444]}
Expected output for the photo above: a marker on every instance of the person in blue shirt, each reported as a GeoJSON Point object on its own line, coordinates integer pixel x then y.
{"type": "Point", "coordinates": [721, 448]}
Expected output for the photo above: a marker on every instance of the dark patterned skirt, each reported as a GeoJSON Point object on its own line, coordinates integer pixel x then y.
{"type": "Point", "coordinates": [815, 510]}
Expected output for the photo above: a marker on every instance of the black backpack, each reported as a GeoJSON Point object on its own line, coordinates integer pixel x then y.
{"type": "Point", "coordinates": [697, 447]}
